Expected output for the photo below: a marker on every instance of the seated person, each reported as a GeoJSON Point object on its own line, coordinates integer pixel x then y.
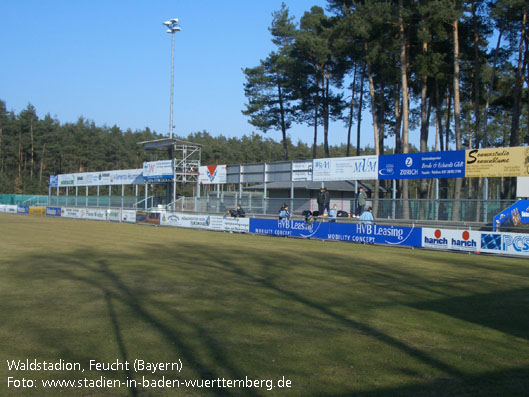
{"type": "Point", "coordinates": [333, 213]}
{"type": "Point", "coordinates": [367, 217]}
{"type": "Point", "coordinates": [284, 213]}
{"type": "Point", "coordinates": [239, 212]}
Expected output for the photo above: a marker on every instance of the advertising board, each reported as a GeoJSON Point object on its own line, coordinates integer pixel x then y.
{"type": "Point", "coordinates": [53, 211]}
{"type": "Point", "coordinates": [497, 162]}
{"type": "Point", "coordinates": [345, 168]}
{"type": "Point", "coordinates": [67, 212]}
{"type": "Point", "coordinates": [114, 215]}
{"type": "Point", "coordinates": [358, 232]}
{"type": "Point", "coordinates": [212, 174]}
{"type": "Point", "coordinates": [128, 216]}
{"type": "Point", "coordinates": [451, 239]}
{"type": "Point", "coordinates": [422, 165]}
{"type": "Point", "coordinates": [238, 225]}
{"type": "Point", "coordinates": [66, 180]}
{"type": "Point", "coordinates": [34, 210]}
{"type": "Point", "coordinates": [22, 209]}
{"type": "Point", "coordinates": [302, 171]}
{"type": "Point", "coordinates": [158, 170]}
{"type": "Point", "coordinates": [147, 218]}
{"type": "Point", "coordinates": [514, 216]}
{"type": "Point", "coordinates": [53, 181]}
{"type": "Point", "coordinates": [505, 243]}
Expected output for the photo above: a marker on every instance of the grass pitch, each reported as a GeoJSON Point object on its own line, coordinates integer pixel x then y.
{"type": "Point", "coordinates": [333, 318]}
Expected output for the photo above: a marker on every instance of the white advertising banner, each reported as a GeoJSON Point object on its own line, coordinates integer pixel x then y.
{"type": "Point", "coordinates": [94, 214]}
{"type": "Point", "coordinates": [476, 241]}
{"type": "Point", "coordinates": [239, 225]}
{"type": "Point", "coordinates": [218, 223]}
{"type": "Point", "coordinates": [114, 215]}
{"type": "Point", "coordinates": [67, 180]}
{"type": "Point", "coordinates": [505, 243]}
{"type": "Point", "coordinates": [155, 170]}
{"type": "Point", "coordinates": [71, 212]}
{"type": "Point", "coordinates": [212, 174]}
{"type": "Point", "coordinates": [302, 171]}
{"type": "Point", "coordinates": [128, 216]}
{"type": "Point", "coordinates": [7, 208]}
{"type": "Point", "coordinates": [126, 177]}
{"type": "Point", "coordinates": [451, 239]}
{"type": "Point", "coordinates": [345, 168]}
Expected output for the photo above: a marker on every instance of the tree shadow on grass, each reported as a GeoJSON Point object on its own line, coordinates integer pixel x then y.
{"type": "Point", "coordinates": [109, 275]}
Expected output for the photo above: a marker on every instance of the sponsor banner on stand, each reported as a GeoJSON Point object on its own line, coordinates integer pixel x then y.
{"type": "Point", "coordinates": [212, 174]}
{"type": "Point", "coordinates": [451, 239]}
{"type": "Point", "coordinates": [3, 208]}
{"type": "Point", "coordinates": [22, 209]}
{"type": "Point", "coordinates": [53, 181]}
{"type": "Point", "coordinates": [302, 171]}
{"type": "Point", "coordinates": [345, 168]}
{"type": "Point", "coordinates": [128, 216]}
{"type": "Point", "coordinates": [148, 218]}
{"type": "Point", "coordinates": [35, 210]}
{"type": "Point", "coordinates": [422, 165]}
{"type": "Point", "coordinates": [66, 180]}
{"type": "Point", "coordinates": [497, 162]}
{"type": "Point", "coordinates": [353, 232]}
{"type": "Point", "coordinates": [158, 170]}
{"type": "Point", "coordinates": [53, 211]}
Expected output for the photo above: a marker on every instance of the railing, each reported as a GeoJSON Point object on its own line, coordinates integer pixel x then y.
{"type": "Point", "coordinates": [465, 210]}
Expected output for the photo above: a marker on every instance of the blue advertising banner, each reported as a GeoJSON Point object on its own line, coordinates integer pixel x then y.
{"type": "Point", "coordinates": [514, 216]}
{"type": "Point", "coordinates": [22, 209]}
{"type": "Point", "coordinates": [353, 232]}
{"type": "Point", "coordinates": [53, 211]}
{"type": "Point", "coordinates": [422, 165]}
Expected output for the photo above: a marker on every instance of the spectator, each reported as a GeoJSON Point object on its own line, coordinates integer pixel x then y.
{"type": "Point", "coordinates": [284, 213]}
{"type": "Point", "coordinates": [239, 212]}
{"type": "Point", "coordinates": [361, 199]}
{"type": "Point", "coordinates": [333, 213]}
{"type": "Point", "coordinates": [323, 199]}
{"type": "Point", "coordinates": [367, 217]}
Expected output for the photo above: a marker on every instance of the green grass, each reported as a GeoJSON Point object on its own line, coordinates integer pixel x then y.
{"type": "Point", "coordinates": [334, 318]}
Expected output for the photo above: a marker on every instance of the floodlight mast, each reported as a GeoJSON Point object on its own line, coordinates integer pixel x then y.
{"type": "Point", "coordinates": [172, 28]}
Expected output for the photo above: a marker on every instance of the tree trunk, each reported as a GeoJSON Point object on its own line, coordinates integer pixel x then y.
{"type": "Point", "coordinates": [485, 140]}
{"type": "Point", "coordinates": [398, 119]}
{"type": "Point", "coordinates": [351, 111]}
{"type": "Point", "coordinates": [32, 148]}
{"type": "Point", "coordinates": [477, 78]}
{"type": "Point", "coordinates": [423, 184]}
{"type": "Point", "coordinates": [405, 108]}
{"type": "Point", "coordinates": [41, 163]}
{"type": "Point", "coordinates": [282, 115]}
{"type": "Point", "coordinates": [325, 94]}
{"type": "Point", "coordinates": [360, 106]}
{"type": "Point", "coordinates": [457, 114]}
{"type": "Point", "coordinates": [315, 145]}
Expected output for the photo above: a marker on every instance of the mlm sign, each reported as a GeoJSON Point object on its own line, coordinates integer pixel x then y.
{"type": "Point", "coordinates": [345, 168]}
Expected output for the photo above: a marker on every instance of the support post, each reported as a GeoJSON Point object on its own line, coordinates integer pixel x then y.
{"type": "Point", "coordinates": [485, 198]}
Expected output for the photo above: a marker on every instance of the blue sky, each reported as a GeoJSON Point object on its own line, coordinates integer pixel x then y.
{"type": "Point", "coordinates": [110, 62]}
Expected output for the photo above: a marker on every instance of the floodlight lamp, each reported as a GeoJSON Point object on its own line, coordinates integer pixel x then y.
{"type": "Point", "coordinates": [169, 31]}
{"type": "Point", "coordinates": [167, 23]}
{"type": "Point", "coordinates": [176, 29]}
{"type": "Point", "coordinates": [174, 20]}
